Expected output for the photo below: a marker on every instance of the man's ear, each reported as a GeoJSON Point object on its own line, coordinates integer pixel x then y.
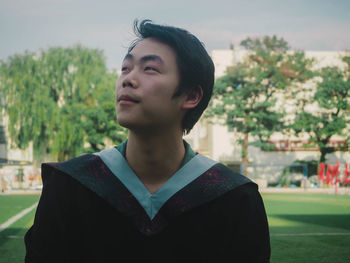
{"type": "Point", "coordinates": [193, 98]}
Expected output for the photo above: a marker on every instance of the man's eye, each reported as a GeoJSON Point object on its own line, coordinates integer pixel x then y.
{"type": "Point", "coordinates": [124, 69]}
{"type": "Point", "coordinates": [150, 69]}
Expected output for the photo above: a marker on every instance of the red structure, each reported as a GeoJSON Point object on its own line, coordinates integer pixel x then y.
{"type": "Point", "coordinates": [329, 174]}
{"type": "Point", "coordinates": [346, 180]}
{"type": "Point", "coordinates": [336, 172]}
{"type": "Point", "coordinates": [321, 172]}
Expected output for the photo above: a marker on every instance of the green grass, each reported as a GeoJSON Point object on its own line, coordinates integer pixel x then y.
{"type": "Point", "coordinates": [11, 205]}
{"type": "Point", "coordinates": [308, 215]}
{"type": "Point", "coordinates": [11, 239]}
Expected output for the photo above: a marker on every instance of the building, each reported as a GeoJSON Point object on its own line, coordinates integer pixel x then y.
{"type": "Point", "coordinates": [220, 143]}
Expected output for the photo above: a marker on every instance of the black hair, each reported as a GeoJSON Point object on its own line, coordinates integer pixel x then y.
{"type": "Point", "coordinates": [195, 65]}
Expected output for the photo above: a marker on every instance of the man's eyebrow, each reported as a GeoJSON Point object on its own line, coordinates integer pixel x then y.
{"type": "Point", "coordinates": [128, 56]}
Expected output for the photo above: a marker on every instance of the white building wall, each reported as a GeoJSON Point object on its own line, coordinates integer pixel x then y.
{"type": "Point", "coordinates": [225, 147]}
{"type": "Point", "coordinates": [326, 58]}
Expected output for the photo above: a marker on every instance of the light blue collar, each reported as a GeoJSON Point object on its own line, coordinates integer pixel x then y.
{"type": "Point", "coordinates": [153, 202]}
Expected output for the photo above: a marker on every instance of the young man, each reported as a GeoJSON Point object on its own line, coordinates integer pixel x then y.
{"type": "Point", "coordinates": [151, 198]}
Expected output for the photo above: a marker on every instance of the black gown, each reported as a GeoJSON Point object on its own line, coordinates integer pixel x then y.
{"type": "Point", "coordinates": [86, 214]}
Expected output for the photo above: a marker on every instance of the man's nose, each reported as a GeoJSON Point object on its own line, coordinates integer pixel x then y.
{"type": "Point", "coordinates": [130, 80]}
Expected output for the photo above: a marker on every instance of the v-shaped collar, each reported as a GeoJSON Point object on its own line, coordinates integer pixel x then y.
{"type": "Point", "coordinates": [91, 171]}
{"type": "Point", "coordinates": [115, 161]}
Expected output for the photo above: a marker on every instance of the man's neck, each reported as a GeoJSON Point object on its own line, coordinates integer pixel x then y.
{"type": "Point", "coordinates": [154, 159]}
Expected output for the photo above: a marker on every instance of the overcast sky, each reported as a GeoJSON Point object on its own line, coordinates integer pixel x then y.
{"type": "Point", "coordinates": [107, 24]}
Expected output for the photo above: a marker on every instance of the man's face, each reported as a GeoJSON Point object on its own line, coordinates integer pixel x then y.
{"type": "Point", "coordinates": [146, 87]}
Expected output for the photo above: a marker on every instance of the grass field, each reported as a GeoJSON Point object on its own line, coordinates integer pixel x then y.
{"type": "Point", "coordinates": [11, 239]}
{"type": "Point", "coordinates": [309, 228]}
{"type": "Point", "coordinates": [304, 227]}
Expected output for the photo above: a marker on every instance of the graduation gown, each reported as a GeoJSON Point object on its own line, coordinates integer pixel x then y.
{"type": "Point", "coordinates": [91, 211]}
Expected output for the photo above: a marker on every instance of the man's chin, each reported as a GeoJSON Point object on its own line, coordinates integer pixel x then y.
{"type": "Point", "coordinates": [128, 123]}
{"type": "Point", "coordinates": [124, 123]}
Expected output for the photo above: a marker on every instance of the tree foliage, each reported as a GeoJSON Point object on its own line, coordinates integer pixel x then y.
{"type": "Point", "coordinates": [60, 100]}
{"type": "Point", "coordinates": [332, 101]}
{"type": "Point", "coordinates": [246, 96]}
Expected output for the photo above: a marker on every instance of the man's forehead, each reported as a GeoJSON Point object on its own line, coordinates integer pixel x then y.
{"type": "Point", "coordinates": [152, 49]}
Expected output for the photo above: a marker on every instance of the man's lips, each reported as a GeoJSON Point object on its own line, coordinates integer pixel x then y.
{"type": "Point", "coordinates": [125, 99]}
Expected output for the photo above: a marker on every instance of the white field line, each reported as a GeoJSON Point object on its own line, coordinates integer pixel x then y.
{"type": "Point", "coordinates": [16, 217]}
{"type": "Point", "coordinates": [311, 234]}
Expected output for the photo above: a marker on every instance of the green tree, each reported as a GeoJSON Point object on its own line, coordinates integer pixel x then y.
{"type": "Point", "coordinates": [331, 112]}
{"type": "Point", "coordinates": [246, 96]}
{"type": "Point", "coordinates": [60, 100]}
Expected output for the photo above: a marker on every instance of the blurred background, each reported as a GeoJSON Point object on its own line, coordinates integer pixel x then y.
{"type": "Point", "coordinates": [281, 99]}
